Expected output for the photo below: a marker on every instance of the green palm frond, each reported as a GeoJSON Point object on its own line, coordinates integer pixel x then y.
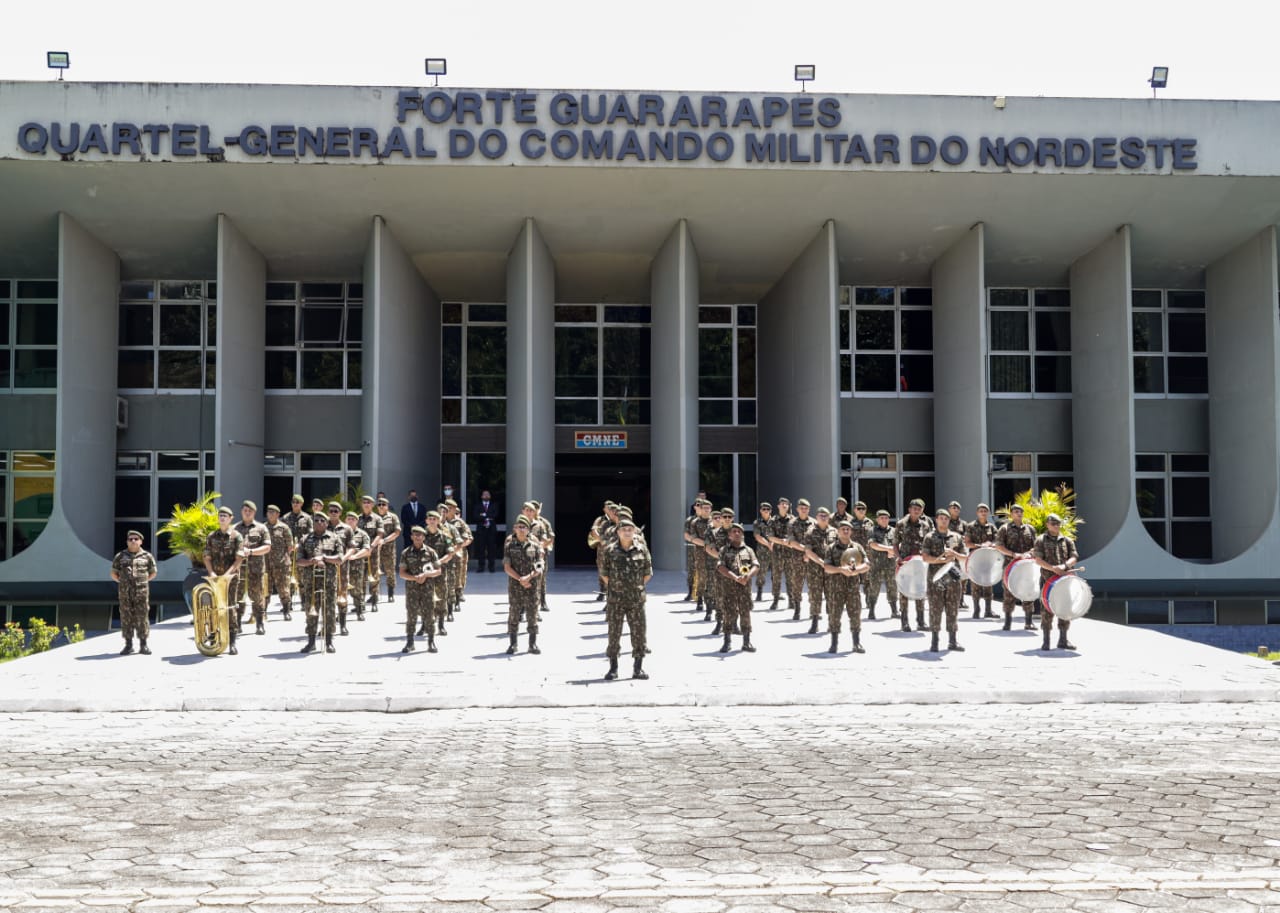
{"type": "Point", "coordinates": [350, 499]}
{"type": "Point", "coordinates": [1060, 501]}
{"type": "Point", "coordinates": [190, 525]}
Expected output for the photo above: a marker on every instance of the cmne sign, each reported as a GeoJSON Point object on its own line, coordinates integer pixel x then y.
{"type": "Point", "coordinates": [600, 440]}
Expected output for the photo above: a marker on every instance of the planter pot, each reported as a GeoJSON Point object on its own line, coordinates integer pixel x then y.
{"type": "Point", "coordinates": [194, 577]}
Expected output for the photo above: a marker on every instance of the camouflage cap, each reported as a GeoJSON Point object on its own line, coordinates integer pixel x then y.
{"type": "Point", "coordinates": [861, 505]}
{"type": "Point", "coordinates": [917, 502]}
{"type": "Point", "coordinates": [319, 517]}
{"type": "Point", "coordinates": [765, 505]}
{"type": "Point", "coordinates": [537, 505]}
{"type": "Point", "coordinates": [955, 504]}
{"type": "Point", "coordinates": [983, 506]}
{"type": "Point", "coordinates": [785, 501]}
{"type": "Point", "coordinates": [225, 510]}
{"type": "Point", "coordinates": [520, 522]}
{"type": "Point", "coordinates": [942, 512]}
{"type": "Point", "coordinates": [626, 523]}
{"type": "Point", "coordinates": [319, 501]}
{"type": "Point", "coordinates": [882, 513]}
{"type": "Point", "coordinates": [609, 504]}
{"type": "Point", "coordinates": [272, 507]}
{"type": "Point", "coordinates": [334, 505]}
{"type": "Point", "coordinates": [366, 499]}
{"type": "Point", "coordinates": [528, 505]}
{"type": "Point", "coordinates": [738, 526]}
{"type": "Point", "coordinates": [845, 522]}
{"type": "Point", "coordinates": [383, 502]}
{"type": "Point", "coordinates": [1013, 507]}
{"type": "Point", "coordinates": [842, 500]}
{"type": "Point", "coordinates": [299, 499]}
{"type": "Point", "coordinates": [716, 513]}
{"type": "Point", "coordinates": [248, 504]}
{"type": "Point", "coordinates": [351, 515]}
{"type": "Point", "coordinates": [418, 530]}
{"type": "Point", "coordinates": [727, 512]}
{"type": "Point", "coordinates": [803, 502]}
{"type": "Point", "coordinates": [131, 533]}
{"type": "Point", "coordinates": [1053, 518]}
{"type": "Point", "coordinates": [824, 510]}
{"type": "Point", "coordinates": [433, 515]}
{"type": "Point", "coordinates": [449, 502]}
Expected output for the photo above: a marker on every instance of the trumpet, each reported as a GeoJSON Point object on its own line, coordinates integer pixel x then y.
{"type": "Point", "coordinates": [375, 555]}
{"type": "Point", "coordinates": [744, 570]}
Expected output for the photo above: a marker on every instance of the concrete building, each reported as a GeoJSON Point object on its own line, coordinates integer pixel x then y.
{"type": "Point", "coordinates": [575, 295]}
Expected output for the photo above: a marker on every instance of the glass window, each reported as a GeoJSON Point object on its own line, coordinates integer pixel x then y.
{"type": "Point", "coordinates": [880, 478]}
{"type": "Point", "coordinates": [1175, 505]}
{"type": "Point", "coordinates": [487, 361]}
{"type": "Point", "coordinates": [1169, 339]}
{"type": "Point", "coordinates": [577, 352]}
{"type": "Point", "coordinates": [1148, 611]}
{"type": "Point", "coordinates": [1273, 611]}
{"type": "Point", "coordinates": [727, 365]}
{"type": "Point", "coordinates": [314, 331]}
{"type": "Point", "coordinates": [1018, 361]}
{"type": "Point", "coordinates": [1194, 612]}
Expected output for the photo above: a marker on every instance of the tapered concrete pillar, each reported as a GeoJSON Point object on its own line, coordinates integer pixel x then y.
{"type": "Point", "coordinates": [799, 448]}
{"type": "Point", "coordinates": [400, 408]}
{"type": "Point", "coordinates": [531, 297]}
{"type": "Point", "coordinates": [960, 385]}
{"type": "Point", "coordinates": [239, 410]}
{"type": "Point", "coordinates": [1102, 388]}
{"type": "Point", "coordinates": [673, 456]}
{"type": "Point", "coordinates": [78, 538]}
{"type": "Point", "coordinates": [1244, 367]}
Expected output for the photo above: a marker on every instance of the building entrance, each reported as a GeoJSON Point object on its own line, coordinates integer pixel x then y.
{"type": "Point", "coordinates": [584, 481]}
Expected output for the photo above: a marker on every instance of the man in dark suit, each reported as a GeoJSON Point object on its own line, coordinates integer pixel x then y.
{"type": "Point", "coordinates": [412, 514]}
{"type": "Point", "coordinates": [486, 519]}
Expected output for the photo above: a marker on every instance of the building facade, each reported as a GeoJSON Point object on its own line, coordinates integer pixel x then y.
{"type": "Point", "coordinates": [577, 295]}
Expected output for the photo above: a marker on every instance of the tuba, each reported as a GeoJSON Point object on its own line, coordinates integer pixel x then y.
{"type": "Point", "coordinates": [209, 614]}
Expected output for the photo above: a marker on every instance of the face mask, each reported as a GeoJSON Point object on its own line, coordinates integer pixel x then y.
{"type": "Point", "coordinates": [448, 492]}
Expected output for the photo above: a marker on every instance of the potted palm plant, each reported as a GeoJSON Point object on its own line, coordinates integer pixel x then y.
{"type": "Point", "coordinates": [188, 528]}
{"type": "Point", "coordinates": [1060, 501]}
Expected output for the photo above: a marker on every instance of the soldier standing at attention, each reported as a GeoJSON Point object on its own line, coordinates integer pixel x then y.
{"type": "Point", "coordinates": [419, 564]}
{"type": "Point", "coordinates": [797, 536]}
{"type": "Point", "coordinates": [323, 550]}
{"type": "Point", "coordinates": [440, 541]}
{"type": "Point", "coordinates": [736, 567]}
{"type": "Point", "coordinates": [860, 532]}
{"type": "Point", "coordinates": [840, 513]}
{"type": "Point", "coordinates": [940, 547]}
{"type": "Point", "coordinates": [357, 569]}
{"type": "Point", "coordinates": [701, 529]}
{"type": "Point", "coordinates": [780, 555]}
{"type": "Point", "coordinates": [628, 567]}
{"type": "Point", "coordinates": [461, 533]}
{"type": "Point", "coordinates": [760, 531]}
{"type": "Point", "coordinates": [910, 534]}
{"type": "Point", "coordinates": [547, 539]}
{"type": "Point", "coordinates": [843, 591]}
{"type": "Point", "coordinates": [709, 552]}
{"type": "Point", "coordinates": [371, 524]}
{"type": "Point", "coordinates": [279, 559]}
{"type": "Point", "coordinates": [1015, 540]}
{"type": "Point", "coordinates": [883, 545]}
{"type": "Point", "coordinates": [299, 523]}
{"type": "Point", "coordinates": [597, 535]}
{"type": "Point", "coordinates": [978, 533]}
{"type": "Point", "coordinates": [522, 562]}
{"type": "Point", "coordinates": [134, 569]}
{"type": "Point", "coordinates": [717, 539]}
{"type": "Point", "coordinates": [959, 526]}
{"type": "Point", "coordinates": [391, 531]}
{"type": "Point", "coordinates": [257, 543]}
{"type": "Point", "coordinates": [690, 553]}
{"type": "Point", "coordinates": [1056, 555]}
{"type": "Point", "coordinates": [223, 552]}
{"type": "Point", "coordinates": [815, 550]}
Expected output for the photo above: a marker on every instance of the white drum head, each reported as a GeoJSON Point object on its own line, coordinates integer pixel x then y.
{"type": "Point", "coordinates": [913, 578]}
{"type": "Point", "coordinates": [1068, 597]}
{"type": "Point", "coordinates": [984, 566]}
{"type": "Point", "coordinates": [1022, 580]}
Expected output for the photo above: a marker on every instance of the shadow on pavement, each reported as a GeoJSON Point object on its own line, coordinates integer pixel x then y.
{"type": "Point", "coordinates": [924, 656]}
{"type": "Point", "coordinates": [1050, 654]}
{"type": "Point", "coordinates": [99, 656]}
{"type": "Point", "coordinates": [187, 659]}
{"type": "Point", "coordinates": [295, 655]}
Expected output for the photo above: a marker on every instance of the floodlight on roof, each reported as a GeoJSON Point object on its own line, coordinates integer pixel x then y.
{"type": "Point", "coordinates": [59, 60]}
{"type": "Point", "coordinates": [805, 73]}
{"type": "Point", "coordinates": [437, 67]}
{"type": "Point", "coordinates": [1159, 79]}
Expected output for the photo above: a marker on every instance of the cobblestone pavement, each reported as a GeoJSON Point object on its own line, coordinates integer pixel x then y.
{"type": "Point", "coordinates": [1092, 808]}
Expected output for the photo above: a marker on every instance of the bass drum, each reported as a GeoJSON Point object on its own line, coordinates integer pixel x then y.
{"type": "Point", "coordinates": [913, 578]}
{"type": "Point", "coordinates": [1069, 597]}
{"type": "Point", "coordinates": [1022, 579]}
{"type": "Point", "coordinates": [984, 566]}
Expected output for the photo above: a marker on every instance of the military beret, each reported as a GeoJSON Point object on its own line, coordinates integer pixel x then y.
{"type": "Point", "coordinates": [1013, 507]}
{"type": "Point", "coordinates": [368, 498]}
{"type": "Point", "coordinates": [782, 501]}
{"type": "Point", "coordinates": [225, 510]}
{"type": "Point", "coordinates": [520, 521]}
{"type": "Point", "coordinates": [449, 502]}
{"type": "Point", "coordinates": [319, 518]}
{"type": "Point", "coordinates": [942, 512]}
{"type": "Point", "coordinates": [917, 502]}
{"type": "Point", "coordinates": [298, 499]}
{"type": "Point", "coordinates": [727, 512]}
{"type": "Point", "coordinates": [248, 504]}
{"type": "Point", "coordinates": [765, 505]}
{"type": "Point", "coordinates": [716, 513]}
{"type": "Point", "coordinates": [131, 533]}
{"type": "Point", "coordinates": [882, 513]}
{"type": "Point", "coordinates": [528, 505]}
{"type": "Point", "coordinates": [319, 501]}
{"type": "Point", "coordinates": [1053, 518]}
{"type": "Point", "coordinates": [983, 507]}
{"type": "Point", "coordinates": [843, 500]}
{"type": "Point", "coordinates": [954, 504]}
{"type": "Point", "coordinates": [433, 514]}
{"type": "Point", "coordinates": [738, 527]}
{"type": "Point", "coordinates": [417, 529]}
{"type": "Point", "coordinates": [626, 522]}
{"type": "Point", "coordinates": [803, 502]}
{"type": "Point", "coordinates": [384, 501]}
{"type": "Point", "coordinates": [824, 510]}
{"type": "Point", "coordinates": [271, 507]}
{"type": "Point", "coordinates": [861, 505]}
{"type": "Point", "coordinates": [845, 522]}
{"type": "Point", "coordinates": [351, 515]}
{"type": "Point", "coordinates": [334, 505]}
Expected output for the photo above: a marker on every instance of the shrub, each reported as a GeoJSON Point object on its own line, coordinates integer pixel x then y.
{"type": "Point", "coordinates": [42, 635]}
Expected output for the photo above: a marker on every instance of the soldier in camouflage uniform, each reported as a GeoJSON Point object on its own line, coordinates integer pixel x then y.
{"type": "Point", "coordinates": [1014, 540]}
{"type": "Point", "coordinates": [342, 533]}
{"type": "Point", "coordinates": [940, 547]}
{"type": "Point", "coordinates": [419, 569]}
{"type": "Point", "coordinates": [701, 529]}
{"type": "Point", "coordinates": [910, 535]}
{"type": "Point", "coordinates": [600, 528]}
{"type": "Point", "coordinates": [366, 590]}
{"type": "Point", "coordinates": [523, 563]}
{"type": "Point", "coordinates": [760, 532]}
{"type": "Point", "coordinates": [717, 539]}
{"type": "Point", "coordinates": [280, 559]}
{"type": "Point", "coordinates": [321, 550]}
{"type": "Point", "coordinates": [252, 580]}
{"type": "Point", "coordinates": [628, 567]}
{"type": "Point", "coordinates": [797, 535]}
{"type": "Point", "coordinates": [778, 543]}
{"type": "Point", "coordinates": [815, 549]}
{"type": "Point", "coordinates": [547, 539]}
{"type": "Point", "coordinates": [134, 568]}
{"type": "Point", "coordinates": [736, 567]}
{"type": "Point", "coordinates": [710, 580]}
{"type": "Point", "coordinates": [690, 552]}
{"type": "Point", "coordinates": [959, 526]}
{"type": "Point", "coordinates": [357, 569]}
{"type": "Point", "coordinates": [860, 532]}
{"type": "Point", "coordinates": [843, 590]}
{"type": "Point", "coordinates": [977, 534]}
{"type": "Point", "coordinates": [299, 523]}
{"type": "Point", "coordinates": [387, 566]}
{"type": "Point", "coordinates": [223, 553]}
{"type": "Point", "coordinates": [882, 547]}
{"type": "Point", "coordinates": [840, 513]}
{"type": "Point", "coordinates": [1056, 555]}
{"type": "Point", "coordinates": [439, 540]}
{"type": "Point", "coordinates": [463, 538]}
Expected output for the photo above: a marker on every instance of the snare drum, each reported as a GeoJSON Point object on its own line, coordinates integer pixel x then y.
{"type": "Point", "coordinates": [913, 578]}
{"type": "Point", "coordinates": [984, 566]}
{"type": "Point", "coordinates": [1068, 597]}
{"type": "Point", "coordinates": [1022, 579]}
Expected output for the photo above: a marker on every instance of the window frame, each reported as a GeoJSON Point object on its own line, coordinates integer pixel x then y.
{"type": "Point", "coordinates": [737, 327]}
{"type": "Point", "coordinates": [847, 343]}
{"type": "Point", "coordinates": [600, 323]}
{"type": "Point", "coordinates": [1163, 353]}
{"type": "Point", "coordinates": [1032, 352]}
{"type": "Point", "coordinates": [13, 302]}
{"type": "Point", "coordinates": [463, 398]}
{"type": "Point", "coordinates": [206, 347]}
{"type": "Point", "coordinates": [346, 347]}
{"type": "Point", "coordinates": [1167, 475]}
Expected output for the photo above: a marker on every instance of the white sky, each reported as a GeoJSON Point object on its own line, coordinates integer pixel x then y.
{"type": "Point", "coordinates": [1214, 48]}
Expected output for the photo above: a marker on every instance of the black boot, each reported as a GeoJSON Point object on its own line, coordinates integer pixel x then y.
{"type": "Point", "coordinates": [328, 644]}
{"type": "Point", "coordinates": [373, 602]}
{"type": "Point", "coordinates": [857, 643]}
{"type": "Point", "coordinates": [259, 628]}
{"type": "Point", "coordinates": [231, 648]}
{"type": "Point", "coordinates": [287, 615]}
{"type": "Point", "coordinates": [544, 608]}
{"type": "Point", "coordinates": [431, 644]}
{"type": "Point", "coordinates": [637, 671]}
{"type": "Point", "coordinates": [533, 643]}
{"type": "Point", "coordinates": [1008, 622]}
{"type": "Point", "coordinates": [813, 625]}
{"type": "Point", "coordinates": [953, 645]}
{"type": "Point", "coordinates": [359, 613]}
{"type": "Point", "coordinates": [1063, 643]}
{"type": "Point", "coordinates": [613, 669]}
{"type": "Point", "coordinates": [759, 594]}
{"type": "Point", "coordinates": [977, 612]}
{"type": "Point", "coordinates": [688, 597]}
{"type": "Point", "coordinates": [717, 629]}
{"type": "Point", "coordinates": [774, 605]}
{"type": "Point", "coordinates": [391, 597]}
{"type": "Point", "coordinates": [706, 616]}
{"type": "Point", "coordinates": [795, 616]}
{"type": "Point", "coordinates": [408, 645]}
{"type": "Point", "coordinates": [128, 647]}
{"type": "Point", "coordinates": [698, 607]}
{"type": "Point", "coordinates": [933, 645]}
{"type": "Point", "coordinates": [1029, 625]}
{"type": "Point", "coordinates": [747, 646]}
{"type": "Point", "coordinates": [422, 628]}
{"type": "Point", "coordinates": [988, 613]}
{"type": "Point", "coordinates": [342, 623]}
{"type": "Point", "coordinates": [906, 626]}
{"type": "Point", "coordinates": [871, 613]}
{"type": "Point", "coordinates": [1045, 645]}
{"type": "Point", "coordinates": [511, 650]}
{"type": "Point", "coordinates": [599, 597]}
{"type": "Point", "coordinates": [440, 631]}
{"type": "Point", "coordinates": [311, 644]}
{"type": "Point", "coordinates": [920, 618]}
{"type": "Point", "coordinates": [146, 651]}
{"type": "Point", "coordinates": [724, 647]}
{"type": "Point", "coordinates": [835, 643]}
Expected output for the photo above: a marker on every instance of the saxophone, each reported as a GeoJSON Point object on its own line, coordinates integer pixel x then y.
{"type": "Point", "coordinates": [209, 613]}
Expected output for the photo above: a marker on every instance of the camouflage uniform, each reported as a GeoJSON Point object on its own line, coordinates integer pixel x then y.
{"type": "Point", "coordinates": [461, 535]}
{"type": "Point", "coordinates": [252, 577]}
{"type": "Point", "coordinates": [910, 536]}
{"type": "Point", "coordinates": [420, 603]}
{"type": "Point", "coordinates": [598, 528]}
{"type": "Point", "coordinates": [977, 534]}
{"type": "Point", "coordinates": [344, 535]}
{"type": "Point", "coordinates": [357, 574]}
{"type": "Point", "coordinates": [945, 591]}
{"type": "Point", "coordinates": [364, 589]}
{"type": "Point", "coordinates": [883, 571]}
{"type": "Point", "coordinates": [440, 542]}
{"type": "Point", "coordinates": [1055, 550]}
{"type": "Point", "coordinates": [387, 554]}
{"type": "Point", "coordinates": [690, 554]}
{"type": "Point", "coordinates": [220, 551]}
{"type": "Point", "coordinates": [280, 562]}
{"type": "Point", "coordinates": [546, 539]}
{"type": "Point", "coordinates": [134, 571]}
{"type": "Point", "coordinates": [778, 554]}
{"type": "Point", "coordinates": [861, 534]}
{"type": "Point", "coordinates": [760, 530]}
{"type": "Point", "coordinates": [521, 601]}
{"type": "Point", "coordinates": [701, 591]}
{"type": "Point", "coordinates": [798, 531]}
{"type": "Point", "coordinates": [717, 539]}
{"type": "Point", "coordinates": [817, 540]}
{"type": "Point", "coordinates": [1019, 539]}
{"type": "Point", "coordinates": [844, 594]}
{"type": "Point", "coordinates": [318, 545]}
{"type": "Point", "coordinates": [626, 569]}
{"type": "Point", "coordinates": [299, 527]}
{"type": "Point", "coordinates": [735, 598]}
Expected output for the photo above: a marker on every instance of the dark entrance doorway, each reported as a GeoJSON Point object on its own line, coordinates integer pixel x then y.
{"type": "Point", "coordinates": [584, 481]}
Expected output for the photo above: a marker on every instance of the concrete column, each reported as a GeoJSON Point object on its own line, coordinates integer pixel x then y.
{"type": "Point", "coordinates": [239, 416]}
{"type": "Point", "coordinates": [531, 297]}
{"type": "Point", "coordinates": [673, 280]}
{"type": "Point", "coordinates": [77, 542]}
{"type": "Point", "coordinates": [1244, 364]}
{"type": "Point", "coordinates": [799, 449]}
{"type": "Point", "coordinates": [401, 402]}
{"type": "Point", "coordinates": [1102, 389]}
{"type": "Point", "coordinates": [960, 371]}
